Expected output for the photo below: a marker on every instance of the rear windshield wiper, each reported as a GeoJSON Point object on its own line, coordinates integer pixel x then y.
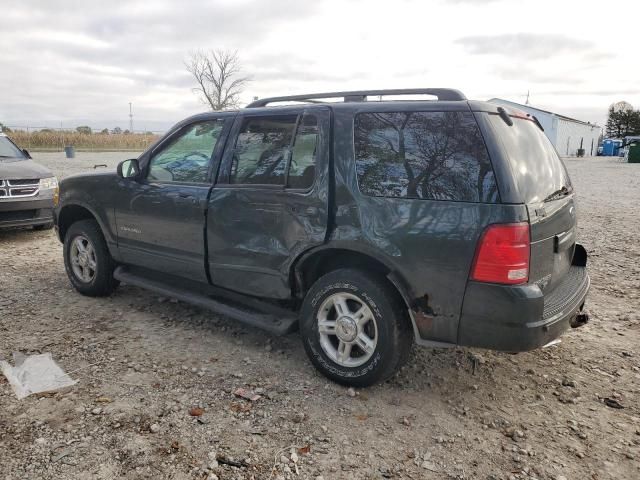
{"type": "Point", "coordinates": [505, 116]}
{"type": "Point", "coordinates": [561, 192]}
{"type": "Point", "coordinates": [537, 122]}
{"type": "Point", "coordinates": [509, 121]}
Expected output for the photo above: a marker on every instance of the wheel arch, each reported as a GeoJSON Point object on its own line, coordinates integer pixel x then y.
{"type": "Point", "coordinates": [312, 264]}
{"type": "Point", "coordinates": [69, 214]}
{"type": "Point", "coordinates": [318, 262]}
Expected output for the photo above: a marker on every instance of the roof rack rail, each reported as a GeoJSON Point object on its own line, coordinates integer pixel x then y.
{"type": "Point", "coordinates": [443, 94]}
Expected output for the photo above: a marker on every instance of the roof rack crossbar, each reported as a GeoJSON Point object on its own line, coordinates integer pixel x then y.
{"type": "Point", "coordinates": [443, 94]}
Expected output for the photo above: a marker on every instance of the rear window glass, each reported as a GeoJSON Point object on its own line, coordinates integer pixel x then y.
{"type": "Point", "coordinates": [427, 155]}
{"type": "Point", "coordinates": [539, 171]}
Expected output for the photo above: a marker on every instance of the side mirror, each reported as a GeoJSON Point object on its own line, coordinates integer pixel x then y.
{"type": "Point", "coordinates": [26, 153]}
{"type": "Point", "coordinates": [128, 168]}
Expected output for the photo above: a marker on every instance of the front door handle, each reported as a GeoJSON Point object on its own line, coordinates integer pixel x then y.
{"type": "Point", "coordinates": [180, 196]}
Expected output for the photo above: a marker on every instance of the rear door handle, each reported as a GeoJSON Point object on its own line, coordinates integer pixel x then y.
{"type": "Point", "coordinates": [306, 211]}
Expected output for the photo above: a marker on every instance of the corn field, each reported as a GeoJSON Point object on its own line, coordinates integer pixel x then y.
{"type": "Point", "coordinates": [58, 139]}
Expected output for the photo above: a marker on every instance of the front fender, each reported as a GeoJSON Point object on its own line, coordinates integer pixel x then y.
{"type": "Point", "coordinates": [92, 194]}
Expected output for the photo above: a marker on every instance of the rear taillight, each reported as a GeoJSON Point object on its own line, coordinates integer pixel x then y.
{"type": "Point", "coordinates": [502, 255]}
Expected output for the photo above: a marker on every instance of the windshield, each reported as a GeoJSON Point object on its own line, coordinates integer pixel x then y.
{"type": "Point", "coordinates": [8, 151]}
{"type": "Point", "coordinates": [539, 171]}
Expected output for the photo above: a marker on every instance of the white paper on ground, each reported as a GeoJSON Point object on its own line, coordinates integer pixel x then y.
{"type": "Point", "coordinates": [35, 374]}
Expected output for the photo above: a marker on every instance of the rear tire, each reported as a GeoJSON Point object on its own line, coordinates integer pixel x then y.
{"type": "Point", "coordinates": [355, 328]}
{"type": "Point", "coordinates": [87, 260]}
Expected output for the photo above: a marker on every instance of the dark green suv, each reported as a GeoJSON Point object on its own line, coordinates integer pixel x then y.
{"type": "Point", "coordinates": [370, 224]}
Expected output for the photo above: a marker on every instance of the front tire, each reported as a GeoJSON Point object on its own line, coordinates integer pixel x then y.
{"type": "Point", "coordinates": [87, 260]}
{"type": "Point", "coordinates": [355, 328]}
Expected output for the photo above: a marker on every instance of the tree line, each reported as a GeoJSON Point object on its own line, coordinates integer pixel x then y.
{"type": "Point", "coordinates": [105, 131]}
{"type": "Point", "coordinates": [83, 129]}
{"type": "Point", "coordinates": [623, 121]}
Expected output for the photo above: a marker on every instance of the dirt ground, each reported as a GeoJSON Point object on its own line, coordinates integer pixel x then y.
{"type": "Point", "coordinates": [144, 363]}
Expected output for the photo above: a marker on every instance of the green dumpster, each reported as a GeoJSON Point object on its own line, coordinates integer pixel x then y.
{"type": "Point", "coordinates": [634, 153]}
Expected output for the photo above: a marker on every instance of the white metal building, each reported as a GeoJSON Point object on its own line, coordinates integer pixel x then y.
{"type": "Point", "coordinates": [565, 133]}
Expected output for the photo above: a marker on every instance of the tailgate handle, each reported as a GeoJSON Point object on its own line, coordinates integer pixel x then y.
{"type": "Point", "coordinates": [562, 241]}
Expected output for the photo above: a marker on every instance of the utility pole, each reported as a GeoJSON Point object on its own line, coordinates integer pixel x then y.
{"type": "Point", "coordinates": [130, 118]}
{"type": "Point", "coordinates": [527, 101]}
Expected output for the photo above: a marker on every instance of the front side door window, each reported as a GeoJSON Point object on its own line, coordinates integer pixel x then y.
{"type": "Point", "coordinates": [187, 157]}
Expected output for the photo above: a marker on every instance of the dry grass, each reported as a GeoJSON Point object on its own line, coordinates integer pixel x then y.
{"type": "Point", "coordinates": [57, 140]}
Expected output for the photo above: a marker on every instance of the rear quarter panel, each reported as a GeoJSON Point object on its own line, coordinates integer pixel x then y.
{"type": "Point", "coordinates": [429, 244]}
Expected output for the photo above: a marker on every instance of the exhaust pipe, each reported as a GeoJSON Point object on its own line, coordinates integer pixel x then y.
{"type": "Point", "coordinates": [579, 320]}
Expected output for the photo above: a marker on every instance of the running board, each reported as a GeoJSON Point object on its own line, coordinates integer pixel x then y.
{"type": "Point", "coordinates": [277, 321]}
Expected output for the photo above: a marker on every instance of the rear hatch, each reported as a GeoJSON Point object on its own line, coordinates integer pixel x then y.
{"type": "Point", "coordinates": [544, 185]}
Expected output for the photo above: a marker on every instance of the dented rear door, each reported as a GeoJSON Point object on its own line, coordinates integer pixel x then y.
{"type": "Point", "coordinates": [270, 201]}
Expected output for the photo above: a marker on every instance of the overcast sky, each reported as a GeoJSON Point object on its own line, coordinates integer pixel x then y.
{"type": "Point", "coordinates": [73, 62]}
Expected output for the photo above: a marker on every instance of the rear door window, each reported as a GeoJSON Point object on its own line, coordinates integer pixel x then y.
{"type": "Point", "coordinates": [276, 150]}
{"type": "Point", "coordinates": [426, 155]}
{"type": "Point", "coordinates": [539, 171]}
{"type": "Point", "coordinates": [261, 151]}
{"type": "Point", "coordinates": [303, 154]}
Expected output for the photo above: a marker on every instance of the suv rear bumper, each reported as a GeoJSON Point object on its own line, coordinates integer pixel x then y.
{"type": "Point", "coordinates": [25, 213]}
{"type": "Point", "coordinates": [520, 318]}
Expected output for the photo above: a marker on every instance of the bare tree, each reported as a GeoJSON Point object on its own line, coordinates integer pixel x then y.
{"type": "Point", "coordinates": [217, 73]}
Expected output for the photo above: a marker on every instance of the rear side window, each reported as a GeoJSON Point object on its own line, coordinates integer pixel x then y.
{"type": "Point", "coordinates": [427, 155]}
{"type": "Point", "coordinates": [539, 171]}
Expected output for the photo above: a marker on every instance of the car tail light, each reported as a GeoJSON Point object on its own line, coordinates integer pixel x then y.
{"type": "Point", "coordinates": [502, 255]}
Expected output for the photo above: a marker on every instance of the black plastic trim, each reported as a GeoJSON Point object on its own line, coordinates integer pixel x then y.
{"type": "Point", "coordinates": [277, 321]}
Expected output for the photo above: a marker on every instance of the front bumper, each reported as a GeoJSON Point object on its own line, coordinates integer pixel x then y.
{"type": "Point", "coordinates": [521, 318]}
{"type": "Point", "coordinates": [26, 212]}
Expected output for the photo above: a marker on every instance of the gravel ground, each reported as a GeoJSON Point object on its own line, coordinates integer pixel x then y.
{"type": "Point", "coordinates": [155, 397]}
